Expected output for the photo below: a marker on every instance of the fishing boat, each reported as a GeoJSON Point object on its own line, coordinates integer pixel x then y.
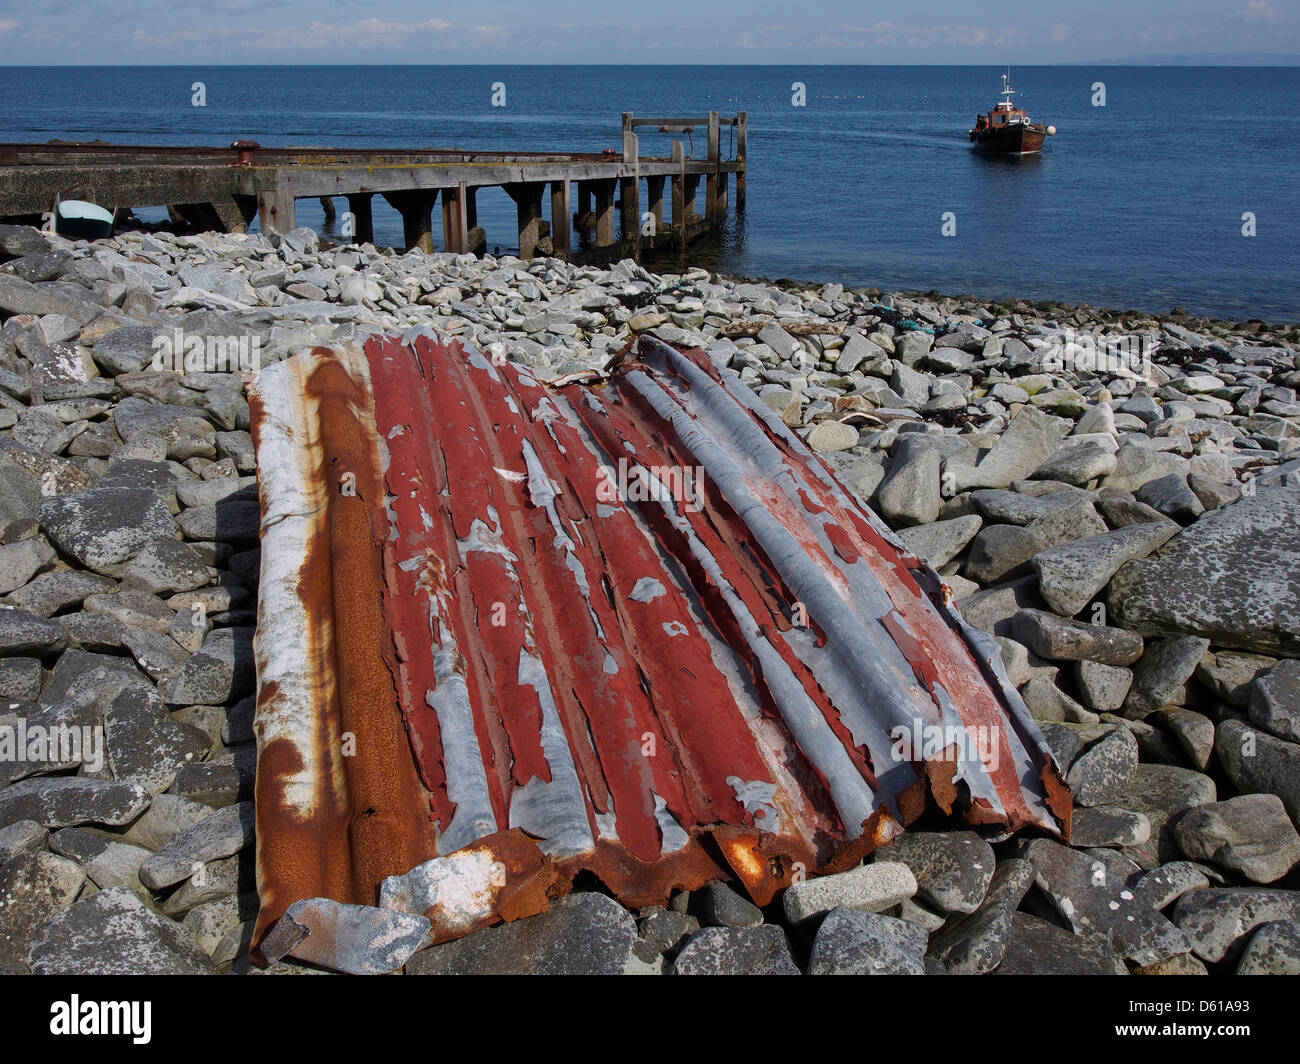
{"type": "Point", "coordinates": [1007, 130]}
{"type": "Point", "coordinates": [81, 220]}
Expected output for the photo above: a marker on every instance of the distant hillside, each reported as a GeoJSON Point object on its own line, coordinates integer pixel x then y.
{"type": "Point", "coordinates": [1205, 59]}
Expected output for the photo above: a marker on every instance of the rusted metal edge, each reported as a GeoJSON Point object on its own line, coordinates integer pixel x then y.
{"type": "Point", "coordinates": [634, 620]}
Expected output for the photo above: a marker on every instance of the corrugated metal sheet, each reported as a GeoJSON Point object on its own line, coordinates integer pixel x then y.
{"type": "Point", "coordinates": [633, 616]}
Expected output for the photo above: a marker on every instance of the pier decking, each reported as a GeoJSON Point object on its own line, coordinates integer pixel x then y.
{"type": "Point", "coordinates": [226, 188]}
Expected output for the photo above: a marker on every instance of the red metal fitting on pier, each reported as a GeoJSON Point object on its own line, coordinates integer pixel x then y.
{"type": "Point", "coordinates": [246, 148]}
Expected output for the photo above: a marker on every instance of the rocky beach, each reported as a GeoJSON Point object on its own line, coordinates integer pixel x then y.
{"type": "Point", "coordinates": [1115, 496]}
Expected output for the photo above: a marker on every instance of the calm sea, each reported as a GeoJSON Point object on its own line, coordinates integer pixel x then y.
{"type": "Point", "coordinates": [1138, 203]}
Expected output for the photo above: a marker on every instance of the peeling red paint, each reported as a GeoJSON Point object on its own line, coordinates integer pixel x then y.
{"type": "Point", "coordinates": [635, 618]}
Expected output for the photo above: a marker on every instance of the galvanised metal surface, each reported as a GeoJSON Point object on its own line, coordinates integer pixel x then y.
{"type": "Point", "coordinates": [632, 616]}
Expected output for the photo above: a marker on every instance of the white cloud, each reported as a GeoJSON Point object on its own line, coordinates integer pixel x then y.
{"type": "Point", "coordinates": [369, 32]}
{"type": "Point", "coordinates": [7, 24]}
{"type": "Point", "coordinates": [1258, 11]}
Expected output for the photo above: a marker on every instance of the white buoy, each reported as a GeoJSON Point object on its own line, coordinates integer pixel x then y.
{"type": "Point", "coordinates": [1051, 131]}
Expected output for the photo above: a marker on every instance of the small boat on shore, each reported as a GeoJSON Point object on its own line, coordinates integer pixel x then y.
{"type": "Point", "coordinates": [81, 220]}
{"type": "Point", "coordinates": [1007, 130]}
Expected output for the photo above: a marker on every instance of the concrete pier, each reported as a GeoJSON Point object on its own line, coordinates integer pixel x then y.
{"type": "Point", "coordinates": [225, 188]}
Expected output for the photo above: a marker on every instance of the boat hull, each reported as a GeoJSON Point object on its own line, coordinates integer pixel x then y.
{"type": "Point", "coordinates": [79, 220]}
{"type": "Point", "coordinates": [1019, 139]}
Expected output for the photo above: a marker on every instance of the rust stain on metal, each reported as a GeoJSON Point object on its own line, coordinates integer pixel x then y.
{"type": "Point", "coordinates": [626, 625]}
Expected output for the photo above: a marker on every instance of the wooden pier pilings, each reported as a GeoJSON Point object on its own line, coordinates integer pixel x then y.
{"type": "Point", "coordinates": [226, 188]}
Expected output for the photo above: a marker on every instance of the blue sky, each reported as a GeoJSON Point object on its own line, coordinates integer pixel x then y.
{"type": "Point", "coordinates": [664, 31]}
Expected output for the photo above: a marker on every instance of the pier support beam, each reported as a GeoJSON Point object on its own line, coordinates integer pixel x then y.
{"type": "Point", "coordinates": [711, 179]}
{"type": "Point", "coordinates": [583, 218]}
{"type": "Point", "coordinates": [679, 194]}
{"type": "Point", "coordinates": [475, 238]}
{"type": "Point", "coordinates": [604, 212]}
{"type": "Point", "coordinates": [416, 209]}
{"type": "Point", "coordinates": [528, 207]}
{"type": "Point", "coordinates": [630, 197]}
{"type": "Point", "coordinates": [691, 215]}
{"type": "Point", "coordinates": [363, 220]}
{"type": "Point", "coordinates": [630, 190]}
{"type": "Point", "coordinates": [742, 151]}
{"type": "Point", "coordinates": [230, 215]}
{"type": "Point", "coordinates": [327, 205]}
{"type": "Point", "coordinates": [655, 195]}
{"type": "Point", "coordinates": [455, 219]}
{"type": "Point", "coordinates": [275, 211]}
{"type": "Point", "coordinates": [561, 235]}
{"type": "Point", "coordinates": [720, 200]}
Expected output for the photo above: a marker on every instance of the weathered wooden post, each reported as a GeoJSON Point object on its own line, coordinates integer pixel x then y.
{"type": "Point", "coordinates": [679, 194]}
{"type": "Point", "coordinates": [275, 210]}
{"type": "Point", "coordinates": [711, 178]}
{"type": "Point", "coordinates": [655, 194]}
{"type": "Point", "coordinates": [528, 209]}
{"type": "Point", "coordinates": [224, 216]}
{"type": "Point", "coordinates": [630, 189]}
{"type": "Point", "coordinates": [327, 205]}
{"type": "Point", "coordinates": [692, 198]}
{"type": "Point", "coordinates": [416, 208]}
{"type": "Point", "coordinates": [363, 223]}
{"type": "Point", "coordinates": [561, 214]}
{"type": "Point", "coordinates": [742, 156]}
{"type": "Point", "coordinates": [455, 221]}
{"type": "Point", "coordinates": [604, 212]}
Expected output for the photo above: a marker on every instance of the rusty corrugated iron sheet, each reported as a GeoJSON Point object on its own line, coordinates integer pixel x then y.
{"type": "Point", "coordinates": [631, 617]}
